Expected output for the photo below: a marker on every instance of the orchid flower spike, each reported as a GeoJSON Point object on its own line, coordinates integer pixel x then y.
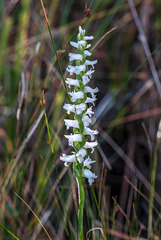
{"type": "Point", "coordinates": [80, 75]}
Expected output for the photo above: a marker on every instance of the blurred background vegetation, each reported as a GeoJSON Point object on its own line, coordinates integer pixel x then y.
{"type": "Point", "coordinates": [36, 189]}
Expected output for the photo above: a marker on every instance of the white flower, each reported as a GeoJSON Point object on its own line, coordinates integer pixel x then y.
{"type": "Point", "coordinates": [73, 82]}
{"type": "Point", "coordinates": [75, 69]}
{"type": "Point", "coordinates": [68, 158]}
{"type": "Point", "coordinates": [88, 37]}
{"type": "Point", "coordinates": [73, 138]}
{"type": "Point", "coordinates": [82, 43]}
{"type": "Point", "coordinates": [69, 108]}
{"type": "Point", "coordinates": [75, 56]}
{"type": "Point", "coordinates": [88, 162]}
{"type": "Point", "coordinates": [91, 100]}
{"type": "Point", "coordinates": [87, 53]}
{"type": "Point", "coordinates": [91, 145]}
{"type": "Point", "coordinates": [80, 108]}
{"type": "Point", "coordinates": [90, 72]}
{"type": "Point", "coordinates": [71, 123]}
{"type": "Point", "coordinates": [76, 95]}
{"type": "Point", "coordinates": [86, 120]}
{"type": "Point", "coordinates": [86, 79]}
{"type": "Point", "coordinates": [91, 90]}
{"type": "Point", "coordinates": [81, 154]}
{"type": "Point", "coordinates": [88, 174]}
{"type": "Point", "coordinates": [87, 76]}
{"type": "Point", "coordinates": [88, 46]}
{"type": "Point", "coordinates": [90, 132]}
{"type": "Point", "coordinates": [74, 44]}
{"type": "Point", "coordinates": [92, 63]}
{"type": "Point", "coordinates": [89, 111]}
{"type": "Point", "coordinates": [81, 31]}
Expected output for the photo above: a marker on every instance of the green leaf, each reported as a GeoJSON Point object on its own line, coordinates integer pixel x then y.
{"type": "Point", "coordinates": [9, 231]}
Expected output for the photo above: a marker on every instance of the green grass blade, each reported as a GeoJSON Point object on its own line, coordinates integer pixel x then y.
{"type": "Point", "coordinates": [7, 230]}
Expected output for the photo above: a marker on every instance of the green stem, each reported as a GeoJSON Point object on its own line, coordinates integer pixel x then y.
{"type": "Point", "coordinates": [81, 206]}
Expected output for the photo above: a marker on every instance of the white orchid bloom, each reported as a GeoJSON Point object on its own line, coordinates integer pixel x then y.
{"type": "Point", "coordinates": [69, 108]}
{"type": "Point", "coordinates": [71, 123]}
{"type": "Point", "coordinates": [86, 120]}
{"type": "Point", "coordinates": [88, 38]}
{"type": "Point", "coordinates": [81, 154]}
{"type": "Point", "coordinates": [90, 132]}
{"type": "Point", "coordinates": [89, 111]}
{"type": "Point", "coordinates": [91, 145]}
{"type": "Point", "coordinates": [92, 63]}
{"type": "Point", "coordinates": [73, 82]}
{"type": "Point", "coordinates": [73, 138]}
{"type": "Point", "coordinates": [91, 176]}
{"type": "Point", "coordinates": [68, 158]}
{"type": "Point", "coordinates": [91, 90]}
{"type": "Point", "coordinates": [74, 56]}
{"type": "Point", "coordinates": [88, 162]}
{"type": "Point", "coordinates": [76, 95]}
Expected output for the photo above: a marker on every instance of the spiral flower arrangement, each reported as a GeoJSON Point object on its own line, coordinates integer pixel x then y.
{"type": "Point", "coordinates": [79, 107]}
